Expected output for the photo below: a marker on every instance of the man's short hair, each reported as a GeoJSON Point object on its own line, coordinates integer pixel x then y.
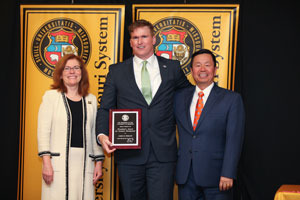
{"type": "Point", "coordinates": [203, 51]}
{"type": "Point", "coordinates": [141, 23]}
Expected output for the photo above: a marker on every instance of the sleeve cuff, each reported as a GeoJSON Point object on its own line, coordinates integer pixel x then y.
{"type": "Point", "coordinates": [43, 153]}
{"type": "Point", "coordinates": [97, 158]}
{"type": "Point", "coordinates": [98, 141]}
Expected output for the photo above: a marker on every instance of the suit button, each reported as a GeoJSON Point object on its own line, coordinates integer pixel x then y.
{"type": "Point", "coordinates": [194, 136]}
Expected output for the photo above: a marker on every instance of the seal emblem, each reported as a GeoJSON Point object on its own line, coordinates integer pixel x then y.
{"type": "Point", "coordinates": [177, 39]}
{"type": "Point", "coordinates": [125, 118]}
{"type": "Point", "coordinates": [56, 38]}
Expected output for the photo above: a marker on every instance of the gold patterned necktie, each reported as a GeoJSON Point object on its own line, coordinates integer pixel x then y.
{"type": "Point", "coordinates": [199, 108]}
{"type": "Point", "coordinates": [146, 85]}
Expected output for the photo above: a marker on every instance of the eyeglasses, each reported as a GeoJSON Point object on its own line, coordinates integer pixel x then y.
{"type": "Point", "coordinates": [75, 68]}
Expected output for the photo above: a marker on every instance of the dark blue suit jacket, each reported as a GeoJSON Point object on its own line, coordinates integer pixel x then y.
{"type": "Point", "coordinates": [158, 123]}
{"type": "Point", "coordinates": [215, 146]}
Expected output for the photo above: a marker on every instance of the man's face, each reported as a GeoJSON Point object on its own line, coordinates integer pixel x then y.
{"type": "Point", "coordinates": [203, 70]}
{"type": "Point", "coordinates": [141, 42]}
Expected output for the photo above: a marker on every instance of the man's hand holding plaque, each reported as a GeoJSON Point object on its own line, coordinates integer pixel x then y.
{"type": "Point", "coordinates": [106, 144]}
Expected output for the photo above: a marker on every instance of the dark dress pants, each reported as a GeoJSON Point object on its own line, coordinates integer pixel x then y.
{"type": "Point", "coordinates": [191, 191]}
{"type": "Point", "coordinates": [151, 181]}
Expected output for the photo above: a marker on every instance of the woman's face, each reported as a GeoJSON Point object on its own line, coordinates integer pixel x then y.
{"type": "Point", "coordinates": [72, 73]}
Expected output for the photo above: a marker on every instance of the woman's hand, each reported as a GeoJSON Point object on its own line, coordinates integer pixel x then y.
{"type": "Point", "coordinates": [97, 172]}
{"type": "Point", "coordinates": [47, 171]}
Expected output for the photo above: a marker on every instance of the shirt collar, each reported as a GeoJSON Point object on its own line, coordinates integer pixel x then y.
{"type": "Point", "coordinates": [139, 61]}
{"type": "Point", "coordinates": [206, 91]}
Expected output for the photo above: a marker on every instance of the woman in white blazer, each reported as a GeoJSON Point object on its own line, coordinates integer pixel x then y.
{"type": "Point", "coordinates": [72, 160]}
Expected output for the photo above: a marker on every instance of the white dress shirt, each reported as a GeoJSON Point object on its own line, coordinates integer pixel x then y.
{"type": "Point", "coordinates": [153, 70]}
{"type": "Point", "coordinates": [206, 92]}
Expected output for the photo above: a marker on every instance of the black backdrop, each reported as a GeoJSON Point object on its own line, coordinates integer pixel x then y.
{"type": "Point", "coordinates": [267, 76]}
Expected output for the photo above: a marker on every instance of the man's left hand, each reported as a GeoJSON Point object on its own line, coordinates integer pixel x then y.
{"type": "Point", "coordinates": [225, 183]}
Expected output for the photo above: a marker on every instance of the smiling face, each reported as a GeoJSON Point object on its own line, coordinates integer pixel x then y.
{"type": "Point", "coordinates": [203, 70]}
{"type": "Point", "coordinates": [141, 42]}
{"type": "Point", "coordinates": [72, 73]}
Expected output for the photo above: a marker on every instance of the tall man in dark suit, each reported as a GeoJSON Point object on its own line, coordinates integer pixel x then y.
{"type": "Point", "coordinates": [147, 173]}
{"type": "Point", "coordinates": [209, 146]}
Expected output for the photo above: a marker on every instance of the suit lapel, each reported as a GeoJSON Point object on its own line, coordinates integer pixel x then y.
{"type": "Point", "coordinates": [187, 104]}
{"type": "Point", "coordinates": [213, 96]}
{"type": "Point", "coordinates": [164, 70]}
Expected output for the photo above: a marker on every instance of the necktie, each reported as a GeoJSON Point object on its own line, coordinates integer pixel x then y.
{"type": "Point", "coordinates": [198, 111]}
{"type": "Point", "coordinates": [146, 85]}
